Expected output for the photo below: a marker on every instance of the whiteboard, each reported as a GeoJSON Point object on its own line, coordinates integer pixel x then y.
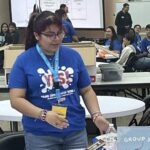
{"type": "Point", "coordinates": [83, 13]}
{"type": "Point", "coordinates": [140, 12]}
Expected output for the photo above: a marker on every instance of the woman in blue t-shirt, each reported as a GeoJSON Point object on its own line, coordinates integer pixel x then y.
{"type": "Point", "coordinates": [112, 41]}
{"type": "Point", "coordinates": [45, 83]}
{"type": "Point", "coordinates": [70, 34]}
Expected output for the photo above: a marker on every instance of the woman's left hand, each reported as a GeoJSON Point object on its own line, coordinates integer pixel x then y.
{"type": "Point", "coordinates": [102, 124]}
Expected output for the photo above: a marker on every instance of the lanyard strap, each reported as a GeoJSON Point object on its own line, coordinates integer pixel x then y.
{"type": "Point", "coordinates": [54, 71]}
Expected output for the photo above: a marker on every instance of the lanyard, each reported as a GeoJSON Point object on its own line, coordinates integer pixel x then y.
{"type": "Point", "coordinates": [54, 71]}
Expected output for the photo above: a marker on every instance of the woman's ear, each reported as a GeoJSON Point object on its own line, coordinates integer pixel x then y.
{"type": "Point", "coordinates": [36, 36]}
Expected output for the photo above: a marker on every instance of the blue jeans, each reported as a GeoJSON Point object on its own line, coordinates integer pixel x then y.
{"type": "Point", "coordinates": [142, 63]}
{"type": "Point", "coordinates": [75, 141]}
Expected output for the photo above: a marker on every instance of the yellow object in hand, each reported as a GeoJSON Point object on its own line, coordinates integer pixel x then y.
{"type": "Point", "coordinates": [60, 109]}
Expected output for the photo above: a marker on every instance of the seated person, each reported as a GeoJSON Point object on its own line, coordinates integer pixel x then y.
{"type": "Point", "coordinates": [5, 38]}
{"type": "Point", "coordinates": [70, 35]}
{"type": "Point", "coordinates": [128, 42]}
{"type": "Point", "coordinates": [138, 39]}
{"type": "Point", "coordinates": [112, 42]}
{"type": "Point", "coordinates": [143, 62]}
{"type": "Point", "coordinates": [13, 33]}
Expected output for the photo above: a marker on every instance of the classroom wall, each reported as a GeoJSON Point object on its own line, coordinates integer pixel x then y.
{"type": "Point", "coordinates": [4, 11]}
{"type": "Point", "coordinates": [109, 10]}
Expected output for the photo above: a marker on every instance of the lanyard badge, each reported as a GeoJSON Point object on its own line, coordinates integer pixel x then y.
{"type": "Point", "coordinates": [62, 110]}
{"type": "Point", "coordinates": [53, 70]}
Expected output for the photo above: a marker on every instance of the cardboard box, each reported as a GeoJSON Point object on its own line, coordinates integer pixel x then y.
{"type": "Point", "coordinates": [9, 59]}
{"type": "Point", "coordinates": [16, 46]}
{"type": "Point", "coordinates": [92, 72]}
{"type": "Point", "coordinates": [86, 50]}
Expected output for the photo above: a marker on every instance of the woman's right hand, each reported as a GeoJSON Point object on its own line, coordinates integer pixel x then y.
{"type": "Point", "coordinates": [56, 120]}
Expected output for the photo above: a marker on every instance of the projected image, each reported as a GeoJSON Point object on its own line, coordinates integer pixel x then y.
{"type": "Point", "coordinates": [82, 13]}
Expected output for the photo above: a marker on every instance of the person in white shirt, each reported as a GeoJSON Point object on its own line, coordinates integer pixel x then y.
{"type": "Point", "coordinates": [129, 47]}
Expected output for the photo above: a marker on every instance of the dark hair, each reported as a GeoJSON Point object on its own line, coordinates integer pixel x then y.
{"type": "Point", "coordinates": [137, 25]}
{"type": "Point", "coordinates": [62, 6]}
{"type": "Point", "coordinates": [39, 22]}
{"type": "Point", "coordinates": [12, 24]}
{"type": "Point", "coordinates": [125, 4]}
{"type": "Point", "coordinates": [114, 37]}
{"type": "Point", "coordinates": [147, 26]}
{"type": "Point", "coordinates": [2, 26]}
{"type": "Point", "coordinates": [130, 36]}
{"type": "Point", "coordinates": [60, 13]}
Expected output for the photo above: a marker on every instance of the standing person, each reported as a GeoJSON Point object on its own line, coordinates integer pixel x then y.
{"type": "Point", "coordinates": [70, 34]}
{"type": "Point", "coordinates": [112, 41]}
{"type": "Point", "coordinates": [48, 85]}
{"type": "Point", "coordinates": [13, 33]}
{"type": "Point", "coordinates": [123, 21]}
{"type": "Point", "coordinates": [65, 8]}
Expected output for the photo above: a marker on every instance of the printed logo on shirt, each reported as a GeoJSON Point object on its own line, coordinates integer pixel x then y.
{"type": "Point", "coordinates": [65, 76]}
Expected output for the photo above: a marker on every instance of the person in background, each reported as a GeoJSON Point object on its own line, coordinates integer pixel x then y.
{"type": "Point", "coordinates": [13, 33]}
{"type": "Point", "coordinates": [138, 39]}
{"type": "Point", "coordinates": [123, 21]}
{"type": "Point", "coordinates": [112, 41]}
{"type": "Point", "coordinates": [143, 55]}
{"type": "Point", "coordinates": [47, 90]}
{"type": "Point", "coordinates": [5, 38]}
{"type": "Point", "coordinates": [70, 35]}
{"type": "Point", "coordinates": [128, 42]}
{"type": "Point", "coordinates": [65, 8]}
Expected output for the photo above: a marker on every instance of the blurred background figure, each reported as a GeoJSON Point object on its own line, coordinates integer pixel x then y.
{"type": "Point", "coordinates": [14, 34]}
{"type": "Point", "coordinates": [123, 21]}
{"type": "Point", "coordinates": [65, 8]}
{"type": "Point", "coordinates": [112, 41]}
{"type": "Point", "coordinates": [138, 39]}
{"type": "Point", "coordinates": [5, 38]}
{"type": "Point", "coordinates": [129, 48]}
{"type": "Point", "coordinates": [70, 35]}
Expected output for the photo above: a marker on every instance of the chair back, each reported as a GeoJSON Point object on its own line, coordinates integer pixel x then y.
{"type": "Point", "coordinates": [129, 66]}
{"type": "Point", "coordinates": [12, 141]}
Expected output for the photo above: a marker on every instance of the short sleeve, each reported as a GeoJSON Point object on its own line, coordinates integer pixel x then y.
{"type": "Point", "coordinates": [117, 45]}
{"type": "Point", "coordinates": [17, 77]}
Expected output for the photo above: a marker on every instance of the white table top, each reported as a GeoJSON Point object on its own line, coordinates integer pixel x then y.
{"type": "Point", "coordinates": [111, 107]}
{"type": "Point", "coordinates": [127, 78]}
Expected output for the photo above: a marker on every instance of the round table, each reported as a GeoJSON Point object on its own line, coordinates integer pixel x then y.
{"type": "Point", "coordinates": [111, 107]}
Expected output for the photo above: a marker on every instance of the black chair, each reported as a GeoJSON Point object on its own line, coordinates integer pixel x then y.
{"type": "Point", "coordinates": [145, 120]}
{"type": "Point", "coordinates": [12, 141]}
{"type": "Point", "coordinates": [130, 64]}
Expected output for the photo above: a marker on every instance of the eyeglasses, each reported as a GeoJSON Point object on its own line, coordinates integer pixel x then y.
{"type": "Point", "coordinates": [53, 35]}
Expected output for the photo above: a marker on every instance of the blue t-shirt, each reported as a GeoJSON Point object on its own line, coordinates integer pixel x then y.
{"type": "Point", "coordinates": [69, 32]}
{"type": "Point", "coordinates": [145, 45]}
{"type": "Point", "coordinates": [31, 73]}
{"type": "Point", "coordinates": [138, 41]}
{"type": "Point", "coordinates": [116, 45]}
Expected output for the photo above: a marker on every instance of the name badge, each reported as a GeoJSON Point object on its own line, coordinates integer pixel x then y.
{"type": "Point", "coordinates": [60, 109]}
